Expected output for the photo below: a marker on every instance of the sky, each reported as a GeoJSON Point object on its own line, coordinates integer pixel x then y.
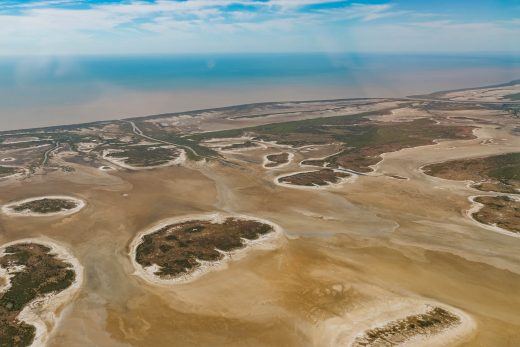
{"type": "Point", "coordinates": [76, 27]}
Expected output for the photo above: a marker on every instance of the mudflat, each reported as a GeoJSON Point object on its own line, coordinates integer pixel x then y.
{"type": "Point", "coordinates": [373, 257]}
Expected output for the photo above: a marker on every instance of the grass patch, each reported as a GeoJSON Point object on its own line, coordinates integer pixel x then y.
{"type": "Point", "coordinates": [512, 97]}
{"type": "Point", "coordinates": [500, 173]}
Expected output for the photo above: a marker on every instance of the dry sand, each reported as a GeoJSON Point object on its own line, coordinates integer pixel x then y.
{"type": "Point", "coordinates": [348, 250]}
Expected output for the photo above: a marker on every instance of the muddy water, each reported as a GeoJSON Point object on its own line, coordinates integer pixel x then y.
{"type": "Point", "coordinates": [347, 251]}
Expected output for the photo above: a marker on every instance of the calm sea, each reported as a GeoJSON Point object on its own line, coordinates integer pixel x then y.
{"type": "Point", "coordinates": [38, 91]}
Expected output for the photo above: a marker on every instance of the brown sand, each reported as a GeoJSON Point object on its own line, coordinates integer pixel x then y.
{"type": "Point", "coordinates": [348, 250]}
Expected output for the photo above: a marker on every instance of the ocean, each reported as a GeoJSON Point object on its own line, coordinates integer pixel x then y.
{"type": "Point", "coordinates": [41, 91]}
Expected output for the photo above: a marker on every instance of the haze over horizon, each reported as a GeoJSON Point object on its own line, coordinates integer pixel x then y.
{"type": "Point", "coordinates": [70, 61]}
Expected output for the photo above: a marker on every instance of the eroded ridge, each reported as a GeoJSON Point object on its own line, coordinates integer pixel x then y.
{"type": "Point", "coordinates": [434, 321]}
{"type": "Point", "coordinates": [318, 178]}
{"type": "Point", "coordinates": [180, 249]}
{"type": "Point", "coordinates": [500, 211]}
{"type": "Point", "coordinates": [276, 160]}
{"type": "Point", "coordinates": [498, 173]}
{"type": "Point", "coordinates": [35, 274]}
{"type": "Point", "coordinates": [44, 206]}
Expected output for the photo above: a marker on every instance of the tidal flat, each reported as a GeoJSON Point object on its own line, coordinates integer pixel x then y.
{"type": "Point", "coordinates": [355, 260]}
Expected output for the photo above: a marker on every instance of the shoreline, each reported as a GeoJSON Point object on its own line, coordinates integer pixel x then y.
{"type": "Point", "coordinates": [264, 242]}
{"type": "Point", "coordinates": [8, 211]}
{"type": "Point", "coordinates": [46, 321]}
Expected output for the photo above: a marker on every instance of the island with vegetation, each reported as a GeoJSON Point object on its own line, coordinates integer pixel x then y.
{"type": "Point", "coordinates": [397, 332]}
{"type": "Point", "coordinates": [44, 206]}
{"type": "Point", "coordinates": [181, 247]}
{"type": "Point", "coordinates": [277, 160]}
{"type": "Point", "coordinates": [317, 178]}
{"type": "Point", "coordinates": [500, 211]}
{"type": "Point", "coordinates": [497, 173]}
{"type": "Point", "coordinates": [31, 271]}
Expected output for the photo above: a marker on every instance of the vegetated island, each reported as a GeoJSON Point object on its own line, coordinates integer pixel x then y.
{"type": "Point", "coordinates": [316, 179]}
{"type": "Point", "coordinates": [33, 271]}
{"type": "Point", "coordinates": [363, 140]}
{"type": "Point", "coordinates": [497, 173]}
{"type": "Point", "coordinates": [182, 249]}
{"type": "Point", "coordinates": [144, 156]}
{"type": "Point", "coordinates": [44, 206]}
{"type": "Point", "coordinates": [432, 322]}
{"type": "Point", "coordinates": [276, 160]}
{"type": "Point", "coordinates": [240, 146]}
{"type": "Point", "coordinates": [500, 211]}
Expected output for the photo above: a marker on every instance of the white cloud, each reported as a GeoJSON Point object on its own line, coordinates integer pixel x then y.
{"type": "Point", "coordinates": [204, 25]}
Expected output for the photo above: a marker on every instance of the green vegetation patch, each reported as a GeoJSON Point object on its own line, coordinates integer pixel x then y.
{"type": "Point", "coordinates": [500, 173]}
{"type": "Point", "coordinates": [244, 145]}
{"type": "Point", "coordinates": [364, 140]}
{"type": "Point", "coordinates": [512, 97]}
{"type": "Point", "coordinates": [7, 171]}
{"type": "Point", "coordinates": [177, 247]}
{"type": "Point", "coordinates": [277, 159]}
{"type": "Point", "coordinates": [322, 177]}
{"type": "Point", "coordinates": [39, 273]}
{"type": "Point", "coordinates": [294, 133]}
{"type": "Point", "coordinates": [502, 211]}
{"type": "Point", "coordinates": [145, 155]}
{"type": "Point", "coordinates": [194, 150]}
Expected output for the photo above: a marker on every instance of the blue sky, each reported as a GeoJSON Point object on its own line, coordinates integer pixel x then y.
{"type": "Point", "coordinates": [48, 27]}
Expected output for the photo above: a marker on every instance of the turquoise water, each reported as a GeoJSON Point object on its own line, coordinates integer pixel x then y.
{"type": "Point", "coordinates": [54, 90]}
